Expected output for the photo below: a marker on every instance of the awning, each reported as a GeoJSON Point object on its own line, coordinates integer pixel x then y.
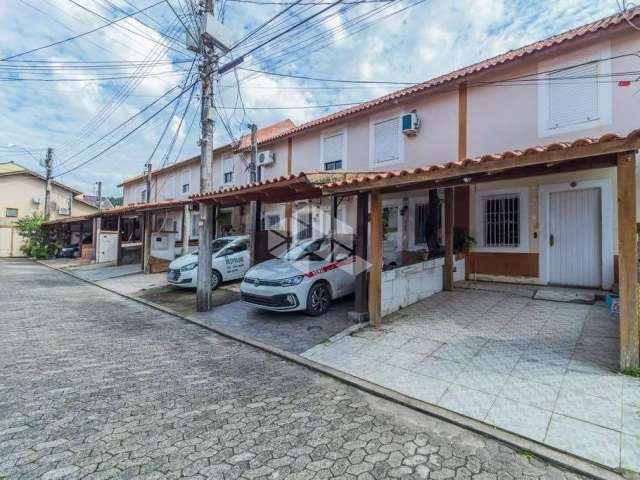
{"type": "Point", "coordinates": [277, 190]}
{"type": "Point", "coordinates": [67, 220]}
{"type": "Point", "coordinates": [138, 208]}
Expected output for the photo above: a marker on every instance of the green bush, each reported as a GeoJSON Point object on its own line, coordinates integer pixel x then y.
{"type": "Point", "coordinates": [36, 244]}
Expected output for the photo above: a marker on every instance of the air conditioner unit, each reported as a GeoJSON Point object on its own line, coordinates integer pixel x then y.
{"type": "Point", "coordinates": [266, 158]}
{"type": "Point", "coordinates": [35, 201]}
{"type": "Point", "coordinates": [410, 123]}
{"type": "Point", "coordinates": [64, 211]}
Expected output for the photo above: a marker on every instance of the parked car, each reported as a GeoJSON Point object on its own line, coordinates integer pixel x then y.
{"type": "Point", "coordinates": [229, 261]}
{"type": "Point", "coordinates": [308, 277]}
{"type": "Point", "coordinates": [70, 251]}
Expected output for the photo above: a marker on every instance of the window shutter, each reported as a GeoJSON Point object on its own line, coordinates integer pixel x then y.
{"type": "Point", "coordinates": [386, 136]}
{"type": "Point", "coordinates": [332, 148]}
{"type": "Point", "coordinates": [573, 96]}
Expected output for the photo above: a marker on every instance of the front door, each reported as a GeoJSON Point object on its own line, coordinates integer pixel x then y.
{"type": "Point", "coordinates": [575, 238]}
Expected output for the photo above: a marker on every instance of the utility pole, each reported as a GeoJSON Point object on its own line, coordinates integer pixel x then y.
{"type": "Point", "coordinates": [47, 193]}
{"type": "Point", "coordinates": [96, 224]}
{"type": "Point", "coordinates": [255, 205]}
{"type": "Point", "coordinates": [208, 70]}
{"type": "Point", "coordinates": [146, 224]}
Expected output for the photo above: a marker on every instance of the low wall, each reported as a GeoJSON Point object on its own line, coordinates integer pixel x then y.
{"type": "Point", "coordinates": [404, 286]}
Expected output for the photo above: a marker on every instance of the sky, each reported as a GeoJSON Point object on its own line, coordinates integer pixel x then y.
{"type": "Point", "coordinates": [81, 109]}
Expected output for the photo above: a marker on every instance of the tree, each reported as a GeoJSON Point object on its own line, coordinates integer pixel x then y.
{"type": "Point", "coordinates": [35, 245]}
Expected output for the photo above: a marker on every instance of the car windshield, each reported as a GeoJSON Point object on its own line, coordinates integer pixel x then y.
{"type": "Point", "coordinates": [314, 250]}
{"type": "Point", "coordinates": [217, 245]}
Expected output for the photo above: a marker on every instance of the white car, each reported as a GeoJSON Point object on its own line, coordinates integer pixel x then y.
{"type": "Point", "coordinates": [229, 261]}
{"type": "Point", "coordinates": [308, 277]}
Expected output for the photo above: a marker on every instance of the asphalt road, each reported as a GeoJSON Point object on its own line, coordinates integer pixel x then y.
{"type": "Point", "coordinates": [94, 385]}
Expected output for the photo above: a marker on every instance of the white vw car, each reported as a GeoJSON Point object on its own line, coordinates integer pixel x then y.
{"type": "Point", "coordinates": [308, 277]}
{"type": "Point", "coordinates": [229, 261]}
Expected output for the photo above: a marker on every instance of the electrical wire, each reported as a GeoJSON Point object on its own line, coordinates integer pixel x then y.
{"type": "Point", "coordinates": [79, 35]}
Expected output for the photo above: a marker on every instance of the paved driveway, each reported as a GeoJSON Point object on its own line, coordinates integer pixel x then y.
{"type": "Point", "coordinates": [544, 370]}
{"type": "Point", "coordinates": [96, 386]}
{"type": "Point", "coordinates": [294, 332]}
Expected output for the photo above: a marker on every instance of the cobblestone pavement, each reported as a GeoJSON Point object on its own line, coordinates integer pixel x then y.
{"type": "Point", "coordinates": [96, 386]}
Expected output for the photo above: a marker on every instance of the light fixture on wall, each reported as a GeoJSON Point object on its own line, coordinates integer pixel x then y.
{"type": "Point", "coordinates": [466, 179]}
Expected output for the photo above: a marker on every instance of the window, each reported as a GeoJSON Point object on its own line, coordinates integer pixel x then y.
{"type": "Point", "coordinates": [186, 181]}
{"type": "Point", "coordinates": [573, 96]}
{"type": "Point", "coordinates": [421, 216]}
{"type": "Point", "coordinates": [227, 170]}
{"type": "Point", "coordinates": [11, 212]}
{"type": "Point", "coordinates": [502, 221]}
{"type": "Point", "coordinates": [167, 187]}
{"type": "Point", "coordinates": [333, 150]}
{"type": "Point", "coordinates": [272, 222]}
{"type": "Point", "coordinates": [195, 232]}
{"type": "Point", "coordinates": [385, 142]}
{"type": "Point", "coordinates": [143, 195]}
{"type": "Point", "coordinates": [305, 226]}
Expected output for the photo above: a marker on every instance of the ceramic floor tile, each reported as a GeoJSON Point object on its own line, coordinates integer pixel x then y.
{"type": "Point", "coordinates": [585, 440]}
{"type": "Point", "coordinates": [630, 389]}
{"type": "Point", "coordinates": [381, 374]}
{"type": "Point", "coordinates": [422, 346]}
{"type": "Point", "coordinates": [466, 401]}
{"type": "Point", "coordinates": [630, 452]}
{"type": "Point", "coordinates": [535, 394]}
{"type": "Point", "coordinates": [421, 387]}
{"type": "Point", "coordinates": [404, 359]}
{"type": "Point", "coordinates": [461, 349]}
{"type": "Point", "coordinates": [439, 368]}
{"type": "Point", "coordinates": [484, 380]}
{"type": "Point", "coordinates": [606, 385]}
{"type": "Point", "coordinates": [631, 418]}
{"type": "Point", "coordinates": [525, 420]}
{"type": "Point", "coordinates": [597, 410]}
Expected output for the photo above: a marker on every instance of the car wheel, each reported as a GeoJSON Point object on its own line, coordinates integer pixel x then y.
{"type": "Point", "coordinates": [318, 299]}
{"type": "Point", "coordinates": [216, 279]}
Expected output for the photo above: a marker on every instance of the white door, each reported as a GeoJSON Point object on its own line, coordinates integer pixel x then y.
{"type": "Point", "coordinates": [575, 238]}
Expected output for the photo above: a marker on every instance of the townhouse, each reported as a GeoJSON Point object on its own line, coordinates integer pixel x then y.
{"type": "Point", "coordinates": [553, 228]}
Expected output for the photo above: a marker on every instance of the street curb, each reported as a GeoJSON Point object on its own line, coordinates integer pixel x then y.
{"type": "Point", "coordinates": [550, 454]}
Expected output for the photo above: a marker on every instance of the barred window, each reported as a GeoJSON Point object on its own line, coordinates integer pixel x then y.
{"type": "Point", "coordinates": [502, 221]}
{"type": "Point", "coordinates": [305, 226]}
{"type": "Point", "coordinates": [421, 216]}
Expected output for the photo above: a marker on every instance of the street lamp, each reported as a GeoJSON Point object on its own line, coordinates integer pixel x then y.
{"type": "Point", "coordinates": [13, 145]}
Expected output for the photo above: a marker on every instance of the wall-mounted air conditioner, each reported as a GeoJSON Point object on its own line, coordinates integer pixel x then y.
{"type": "Point", "coordinates": [410, 123]}
{"type": "Point", "coordinates": [266, 157]}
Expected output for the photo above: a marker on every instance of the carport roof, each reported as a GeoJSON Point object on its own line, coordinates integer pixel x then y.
{"type": "Point", "coordinates": [277, 190]}
{"type": "Point", "coordinates": [144, 207]}
{"type": "Point", "coordinates": [66, 220]}
{"type": "Point", "coordinates": [581, 153]}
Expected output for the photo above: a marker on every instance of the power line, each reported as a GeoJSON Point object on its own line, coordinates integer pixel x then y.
{"type": "Point", "coordinates": [332, 80]}
{"type": "Point", "coordinates": [74, 37]}
{"type": "Point", "coordinates": [128, 134]}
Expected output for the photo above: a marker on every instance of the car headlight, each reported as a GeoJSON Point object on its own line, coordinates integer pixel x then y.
{"type": "Point", "coordinates": [188, 267]}
{"type": "Point", "coordinates": [291, 281]}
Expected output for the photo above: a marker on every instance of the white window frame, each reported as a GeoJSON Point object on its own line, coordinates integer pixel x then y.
{"type": "Point", "coordinates": [479, 200]}
{"type": "Point", "coordinates": [195, 219]}
{"type": "Point", "coordinates": [330, 133]}
{"type": "Point", "coordinates": [279, 212]}
{"type": "Point", "coordinates": [185, 179]}
{"type": "Point", "coordinates": [296, 223]}
{"type": "Point", "coordinates": [232, 159]}
{"type": "Point", "coordinates": [372, 123]}
{"type": "Point", "coordinates": [605, 115]}
{"type": "Point", "coordinates": [143, 195]}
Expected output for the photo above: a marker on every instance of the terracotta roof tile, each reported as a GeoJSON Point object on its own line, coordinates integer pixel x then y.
{"type": "Point", "coordinates": [465, 72]}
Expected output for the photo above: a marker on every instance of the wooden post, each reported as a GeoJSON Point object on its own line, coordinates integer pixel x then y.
{"type": "Point", "coordinates": [254, 230]}
{"type": "Point", "coordinates": [448, 239]}
{"type": "Point", "coordinates": [462, 121]}
{"type": "Point", "coordinates": [119, 242]}
{"type": "Point", "coordinates": [360, 308]}
{"type": "Point", "coordinates": [146, 242]}
{"type": "Point", "coordinates": [628, 261]}
{"type": "Point", "coordinates": [81, 239]}
{"type": "Point", "coordinates": [375, 259]}
{"type": "Point", "coordinates": [186, 229]}
{"type": "Point", "coordinates": [334, 225]}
